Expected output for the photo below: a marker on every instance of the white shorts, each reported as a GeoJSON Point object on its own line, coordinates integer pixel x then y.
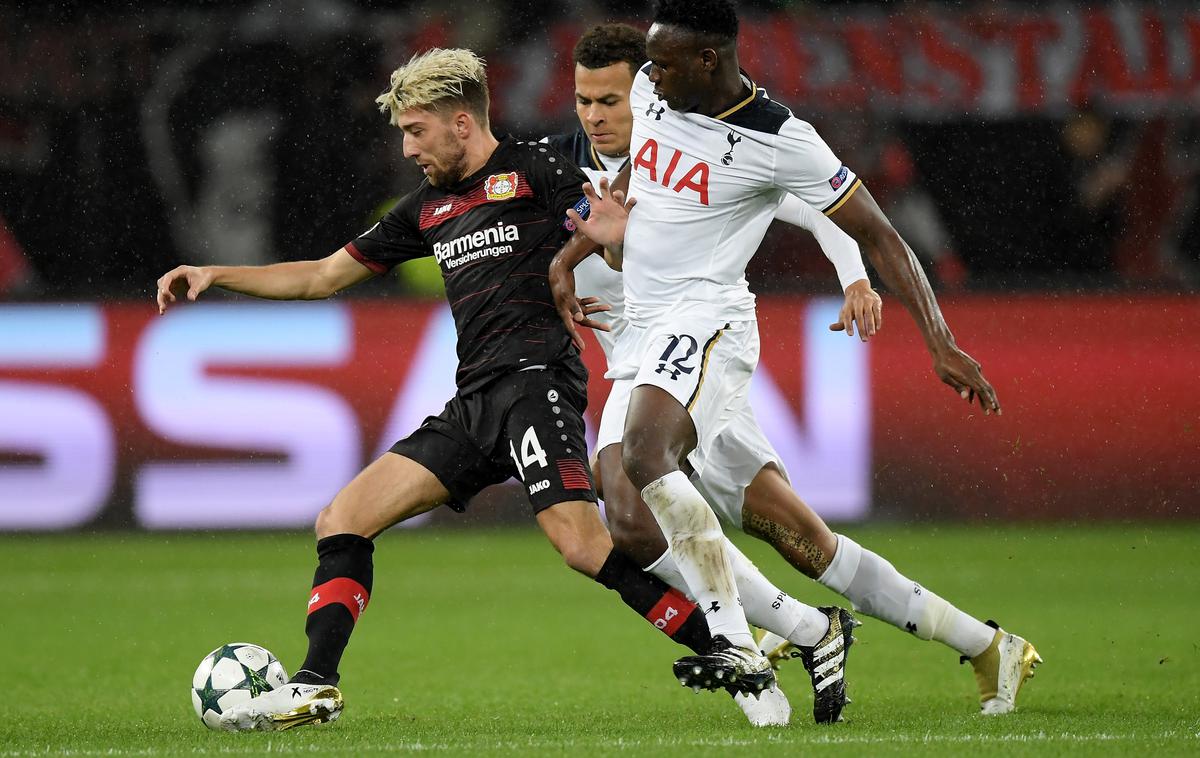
{"type": "Point", "coordinates": [707, 368]}
{"type": "Point", "coordinates": [740, 451]}
{"type": "Point", "coordinates": [736, 457]}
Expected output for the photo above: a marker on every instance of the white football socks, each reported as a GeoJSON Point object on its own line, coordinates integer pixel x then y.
{"type": "Point", "coordinates": [877, 589]}
{"type": "Point", "coordinates": [698, 544]}
{"type": "Point", "coordinates": [771, 608]}
{"type": "Point", "coordinates": [766, 606]}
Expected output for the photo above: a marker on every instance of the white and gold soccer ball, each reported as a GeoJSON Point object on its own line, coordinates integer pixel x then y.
{"type": "Point", "coordinates": [233, 674]}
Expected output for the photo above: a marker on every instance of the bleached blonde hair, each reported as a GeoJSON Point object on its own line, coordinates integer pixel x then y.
{"type": "Point", "coordinates": [435, 79]}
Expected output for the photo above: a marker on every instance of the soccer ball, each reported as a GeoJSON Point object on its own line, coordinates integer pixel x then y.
{"type": "Point", "coordinates": [233, 674]}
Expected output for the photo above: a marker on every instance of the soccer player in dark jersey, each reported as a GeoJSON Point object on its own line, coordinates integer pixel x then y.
{"type": "Point", "coordinates": [492, 212]}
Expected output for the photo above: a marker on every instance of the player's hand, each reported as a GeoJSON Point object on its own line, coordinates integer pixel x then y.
{"type": "Point", "coordinates": [862, 306]}
{"type": "Point", "coordinates": [180, 281]}
{"type": "Point", "coordinates": [574, 311]}
{"type": "Point", "coordinates": [605, 224]}
{"type": "Point", "coordinates": [964, 374]}
{"type": "Point", "coordinates": [591, 305]}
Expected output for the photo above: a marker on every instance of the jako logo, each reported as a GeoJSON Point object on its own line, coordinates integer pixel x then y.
{"type": "Point", "coordinates": [539, 486]}
{"type": "Point", "coordinates": [316, 598]}
{"type": "Point", "coordinates": [362, 604]}
{"type": "Point", "coordinates": [443, 209]}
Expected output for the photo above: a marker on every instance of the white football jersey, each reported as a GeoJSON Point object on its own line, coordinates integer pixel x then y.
{"type": "Point", "coordinates": [707, 189]}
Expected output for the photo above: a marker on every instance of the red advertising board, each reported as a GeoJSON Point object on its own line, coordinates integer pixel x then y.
{"type": "Point", "coordinates": [1101, 414]}
{"type": "Point", "coordinates": [253, 414]}
{"type": "Point", "coordinates": [946, 60]}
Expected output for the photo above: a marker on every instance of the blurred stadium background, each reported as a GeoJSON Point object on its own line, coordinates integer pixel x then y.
{"type": "Point", "coordinates": [1041, 158]}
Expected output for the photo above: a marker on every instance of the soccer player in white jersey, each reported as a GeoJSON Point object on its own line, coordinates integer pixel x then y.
{"type": "Point", "coordinates": [679, 178]}
{"type": "Point", "coordinates": [606, 58]}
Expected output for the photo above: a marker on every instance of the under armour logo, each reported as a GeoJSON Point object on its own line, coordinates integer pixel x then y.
{"type": "Point", "coordinates": [713, 608]}
{"type": "Point", "coordinates": [728, 157]}
{"type": "Point", "coordinates": [911, 627]}
{"type": "Point", "coordinates": [656, 112]}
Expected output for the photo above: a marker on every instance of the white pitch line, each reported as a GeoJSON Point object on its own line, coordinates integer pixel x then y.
{"type": "Point", "coordinates": [620, 743]}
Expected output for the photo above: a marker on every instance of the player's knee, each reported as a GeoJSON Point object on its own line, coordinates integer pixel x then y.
{"type": "Point", "coordinates": [645, 460]}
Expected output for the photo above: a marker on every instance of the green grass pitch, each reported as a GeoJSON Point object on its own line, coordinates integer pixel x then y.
{"type": "Point", "coordinates": [480, 642]}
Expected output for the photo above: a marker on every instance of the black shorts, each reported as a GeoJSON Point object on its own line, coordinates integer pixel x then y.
{"type": "Point", "coordinates": [527, 425]}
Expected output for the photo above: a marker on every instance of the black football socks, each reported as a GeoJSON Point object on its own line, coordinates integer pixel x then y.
{"type": "Point", "coordinates": [341, 590]}
{"type": "Point", "coordinates": [667, 609]}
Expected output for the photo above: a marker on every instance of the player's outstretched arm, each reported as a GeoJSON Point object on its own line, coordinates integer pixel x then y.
{"type": "Point", "coordinates": [863, 220]}
{"type": "Point", "coordinates": [295, 280]}
{"type": "Point", "coordinates": [862, 305]}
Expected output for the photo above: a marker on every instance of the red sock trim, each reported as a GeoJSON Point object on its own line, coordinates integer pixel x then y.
{"type": "Point", "coordinates": [669, 613]}
{"type": "Point", "coordinates": [341, 590]}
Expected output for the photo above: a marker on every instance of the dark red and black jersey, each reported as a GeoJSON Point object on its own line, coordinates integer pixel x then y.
{"type": "Point", "coordinates": [493, 234]}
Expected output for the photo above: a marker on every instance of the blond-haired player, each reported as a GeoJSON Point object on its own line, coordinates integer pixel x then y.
{"type": "Point", "coordinates": [492, 212]}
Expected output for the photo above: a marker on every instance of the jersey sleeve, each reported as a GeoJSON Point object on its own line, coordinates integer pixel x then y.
{"type": "Point", "coordinates": [808, 169]}
{"type": "Point", "coordinates": [392, 241]}
{"type": "Point", "coordinates": [841, 250]}
{"type": "Point", "coordinates": [560, 182]}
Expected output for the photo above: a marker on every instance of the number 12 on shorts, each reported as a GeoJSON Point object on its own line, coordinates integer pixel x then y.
{"type": "Point", "coordinates": [531, 452]}
{"type": "Point", "coordinates": [674, 368]}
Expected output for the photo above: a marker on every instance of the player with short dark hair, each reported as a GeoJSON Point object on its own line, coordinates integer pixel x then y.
{"type": "Point", "coordinates": [685, 248]}
{"type": "Point", "coordinates": [604, 45]}
{"type": "Point", "coordinates": [492, 212]}
{"type": "Point", "coordinates": [600, 146]}
{"type": "Point", "coordinates": [747, 484]}
{"type": "Point", "coordinates": [715, 19]}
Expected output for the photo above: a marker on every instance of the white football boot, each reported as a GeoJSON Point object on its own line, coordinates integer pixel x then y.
{"type": "Point", "coordinates": [769, 708]}
{"type": "Point", "coordinates": [290, 705]}
{"type": "Point", "coordinates": [1001, 670]}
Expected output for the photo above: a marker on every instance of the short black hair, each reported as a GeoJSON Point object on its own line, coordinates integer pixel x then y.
{"type": "Point", "coordinates": [605, 44]}
{"type": "Point", "coordinates": [717, 18]}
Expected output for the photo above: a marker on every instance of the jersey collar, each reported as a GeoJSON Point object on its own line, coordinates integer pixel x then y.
{"type": "Point", "coordinates": [598, 162]}
{"type": "Point", "coordinates": [505, 141]}
{"type": "Point", "coordinates": [749, 99]}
